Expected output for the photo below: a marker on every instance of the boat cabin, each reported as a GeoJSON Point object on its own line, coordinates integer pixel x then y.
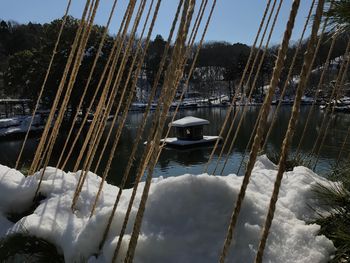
{"type": "Point", "coordinates": [189, 128]}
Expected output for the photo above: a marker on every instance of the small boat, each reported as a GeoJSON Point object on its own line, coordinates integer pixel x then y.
{"type": "Point", "coordinates": [189, 133]}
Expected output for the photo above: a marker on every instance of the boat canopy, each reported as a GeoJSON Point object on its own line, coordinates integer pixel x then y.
{"type": "Point", "coordinates": [188, 122]}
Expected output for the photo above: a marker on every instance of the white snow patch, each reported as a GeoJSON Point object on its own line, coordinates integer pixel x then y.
{"type": "Point", "coordinates": [185, 221]}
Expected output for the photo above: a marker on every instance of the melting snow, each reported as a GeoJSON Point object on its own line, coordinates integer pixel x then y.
{"type": "Point", "coordinates": [185, 221]}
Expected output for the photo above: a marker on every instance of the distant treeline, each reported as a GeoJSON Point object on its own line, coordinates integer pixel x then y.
{"type": "Point", "coordinates": [26, 49]}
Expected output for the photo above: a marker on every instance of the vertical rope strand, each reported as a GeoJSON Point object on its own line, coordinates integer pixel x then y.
{"type": "Point", "coordinates": [108, 69]}
{"type": "Point", "coordinates": [44, 83]}
{"type": "Point", "coordinates": [242, 101]}
{"type": "Point", "coordinates": [329, 120]}
{"type": "Point", "coordinates": [58, 94]}
{"type": "Point", "coordinates": [126, 110]}
{"type": "Point", "coordinates": [239, 85]}
{"type": "Point", "coordinates": [92, 70]}
{"type": "Point", "coordinates": [328, 107]}
{"type": "Point", "coordinates": [261, 127]}
{"type": "Point", "coordinates": [290, 72]}
{"type": "Point", "coordinates": [291, 128]}
{"type": "Point", "coordinates": [137, 140]}
{"type": "Point", "coordinates": [251, 91]}
{"type": "Point", "coordinates": [317, 92]}
{"type": "Point", "coordinates": [158, 123]}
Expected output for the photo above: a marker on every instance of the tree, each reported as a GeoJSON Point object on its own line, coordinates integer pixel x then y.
{"type": "Point", "coordinates": [153, 59]}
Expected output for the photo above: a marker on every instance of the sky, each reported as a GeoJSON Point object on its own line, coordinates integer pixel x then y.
{"type": "Point", "coordinates": [233, 20]}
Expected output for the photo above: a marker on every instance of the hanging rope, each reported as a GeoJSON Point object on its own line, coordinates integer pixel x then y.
{"type": "Point", "coordinates": [168, 94]}
{"type": "Point", "coordinates": [243, 99]}
{"type": "Point", "coordinates": [336, 97]}
{"type": "Point", "coordinates": [141, 171]}
{"type": "Point", "coordinates": [58, 94]}
{"type": "Point", "coordinates": [239, 85]}
{"type": "Point", "coordinates": [76, 65]}
{"type": "Point", "coordinates": [139, 47]}
{"type": "Point", "coordinates": [126, 110]}
{"type": "Point", "coordinates": [317, 92]}
{"type": "Point", "coordinates": [261, 127]}
{"type": "Point", "coordinates": [290, 72]}
{"type": "Point", "coordinates": [99, 133]}
{"type": "Point", "coordinates": [333, 95]}
{"type": "Point", "coordinates": [110, 65]}
{"type": "Point", "coordinates": [98, 53]}
{"type": "Point", "coordinates": [291, 127]}
{"type": "Point", "coordinates": [44, 83]}
{"type": "Point", "coordinates": [139, 135]}
{"type": "Point", "coordinates": [107, 87]}
{"type": "Point", "coordinates": [70, 86]}
{"type": "Point", "coordinates": [250, 94]}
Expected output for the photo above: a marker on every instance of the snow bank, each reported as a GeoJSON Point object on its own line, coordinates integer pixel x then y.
{"type": "Point", "coordinates": [185, 221]}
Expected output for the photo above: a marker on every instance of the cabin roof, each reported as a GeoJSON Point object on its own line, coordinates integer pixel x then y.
{"type": "Point", "coordinates": [189, 121]}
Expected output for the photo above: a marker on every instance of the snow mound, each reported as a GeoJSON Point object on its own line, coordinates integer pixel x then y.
{"type": "Point", "coordinates": [185, 221]}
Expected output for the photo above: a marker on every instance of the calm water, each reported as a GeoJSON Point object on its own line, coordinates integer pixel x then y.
{"type": "Point", "coordinates": [176, 162]}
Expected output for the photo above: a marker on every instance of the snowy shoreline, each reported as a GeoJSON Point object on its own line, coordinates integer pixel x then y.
{"type": "Point", "coordinates": [185, 221]}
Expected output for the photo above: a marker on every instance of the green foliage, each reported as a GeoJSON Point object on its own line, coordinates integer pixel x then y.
{"type": "Point", "coordinates": [291, 161]}
{"type": "Point", "coordinates": [335, 224]}
{"type": "Point", "coordinates": [26, 248]}
{"type": "Point", "coordinates": [339, 16]}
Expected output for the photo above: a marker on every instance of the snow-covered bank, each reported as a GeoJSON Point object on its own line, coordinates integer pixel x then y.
{"type": "Point", "coordinates": [185, 221]}
{"type": "Point", "coordinates": [19, 125]}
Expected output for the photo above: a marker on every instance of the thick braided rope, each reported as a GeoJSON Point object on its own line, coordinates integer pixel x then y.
{"type": "Point", "coordinates": [99, 112]}
{"type": "Point", "coordinates": [242, 101]}
{"type": "Point", "coordinates": [328, 107]}
{"type": "Point", "coordinates": [170, 86]}
{"type": "Point", "coordinates": [139, 47]}
{"type": "Point", "coordinates": [317, 92]}
{"type": "Point", "coordinates": [193, 35]}
{"type": "Point", "coordinates": [71, 79]}
{"type": "Point", "coordinates": [57, 124]}
{"type": "Point", "coordinates": [115, 87]}
{"type": "Point", "coordinates": [239, 85]}
{"type": "Point", "coordinates": [70, 85]}
{"type": "Point", "coordinates": [291, 127]}
{"type": "Point", "coordinates": [92, 70]}
{"type": "Point", "coordinates": [102, 121]}
{"type": "Point", "coordinates": [44, 83]}
{"type": "Point", "coordinates": [87, 165]}
{"type": "Point", "coordinates": [98, 135]}
{"type": "Point", "coordinates": [336, 97]}
{"type": "Point", "coordinates": [250, 94]}
{"type": "Point", "coordinates": [290, 72]}
{"type": "Point", "coordinates": [138, 138]}
{"type": "Point", "coordinates": [139, 174]}
{"type": "Point", "coordinates": [131, 95]}
{"type": "Point", "coordinates": [107, 86]}
{"type": "Point", "coordinates": [145, 158]}
{"type": "Point", "coordinates": [113, 56]}
{"type": "Point", "coordinates": [58, 94]}
{"type": "Point", "coordinates": [261, 127]}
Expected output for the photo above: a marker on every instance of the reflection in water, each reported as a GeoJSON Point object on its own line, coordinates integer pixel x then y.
{"type": "Point", "coordinates": [175, 162]}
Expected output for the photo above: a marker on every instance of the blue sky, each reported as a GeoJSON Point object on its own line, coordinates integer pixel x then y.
{"type": "Point", "coordinates": [233, 20]}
